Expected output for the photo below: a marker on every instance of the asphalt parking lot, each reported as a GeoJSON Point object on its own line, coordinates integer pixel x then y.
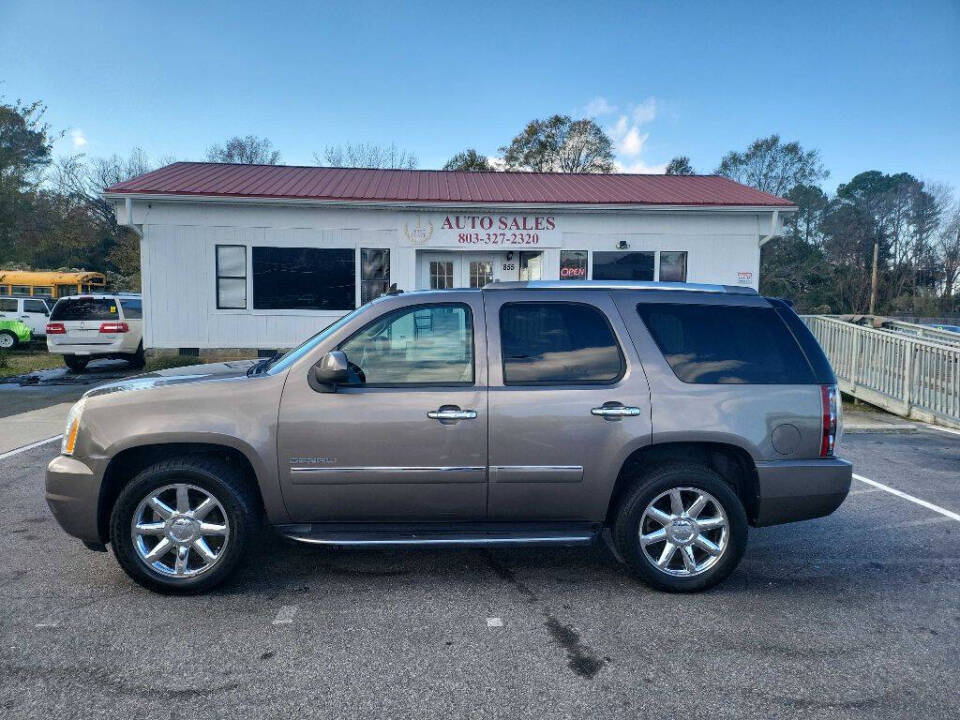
{"type": "Point", "coordinates": [854, 615]}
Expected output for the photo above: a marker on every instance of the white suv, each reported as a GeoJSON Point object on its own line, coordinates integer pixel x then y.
{"type": "Point", "coordinates": [31, 311]}
{"type": "Point", "coordinates": [87, 327]}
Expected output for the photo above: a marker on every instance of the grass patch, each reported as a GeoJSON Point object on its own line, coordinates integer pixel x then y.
{"type": "Point", "coordinates": [165, 362]}
{"type": "Point", "coordinates": [19, 362]}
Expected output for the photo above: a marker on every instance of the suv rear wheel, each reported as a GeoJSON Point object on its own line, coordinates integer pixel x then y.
{"type": "Point", "coordinates": [181, 526]}
{"type": "Point", "coordinates": [76, 363]}
{"type": "Point", "coordinates": [682, 528]}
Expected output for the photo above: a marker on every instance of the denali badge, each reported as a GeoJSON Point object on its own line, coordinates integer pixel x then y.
{"type": "Point", "coordinates": [312, 460]}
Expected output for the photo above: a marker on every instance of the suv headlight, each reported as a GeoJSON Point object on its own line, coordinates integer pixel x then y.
{"type": "Point", "coordinates": [73, 425]}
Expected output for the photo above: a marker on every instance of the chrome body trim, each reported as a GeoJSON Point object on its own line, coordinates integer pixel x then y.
{"type": "Point", "coordinates": [387, 469]}
{"type": "Point", "coordinates": [567, 539]}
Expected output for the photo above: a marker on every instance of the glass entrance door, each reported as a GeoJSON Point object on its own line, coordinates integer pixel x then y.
{"type": "Point", "coordinates": [444, 270]}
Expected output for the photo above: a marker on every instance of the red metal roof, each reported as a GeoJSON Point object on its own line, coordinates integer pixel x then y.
{"type": "Point", "coordinates": [440, 186]}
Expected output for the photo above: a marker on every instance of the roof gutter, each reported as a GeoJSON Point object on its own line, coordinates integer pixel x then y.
{"type": "Point", "coordinates": [442, 205]}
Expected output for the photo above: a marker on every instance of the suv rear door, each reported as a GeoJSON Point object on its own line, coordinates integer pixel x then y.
{"type": "Point", "coordinates": [568, 402]}
{"type": "Point", "coordinates": [35, 312]}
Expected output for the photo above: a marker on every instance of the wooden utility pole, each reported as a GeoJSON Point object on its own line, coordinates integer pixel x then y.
{"type": "Point", "coordinates": [873, 276]}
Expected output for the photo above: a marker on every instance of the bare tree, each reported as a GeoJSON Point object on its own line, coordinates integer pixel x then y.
{"type": "Point", "coordinates": [680, 165]}
{"type": "Point", "coordinates": [560, 144]}
{"type": "Point", "coordinates": [249, 150]}
{"type": "Point", "coordinates": [367, 155]}
{"type": "Point", "coordinates": [774, 167]}
{"type": "Point", "coordinates": [948, 247]}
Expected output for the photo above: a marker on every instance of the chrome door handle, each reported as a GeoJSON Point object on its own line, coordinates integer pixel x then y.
{"type": "Point", "coordinates": [452, 414]}
{"type": "Point", "coordinates": [615, 411]}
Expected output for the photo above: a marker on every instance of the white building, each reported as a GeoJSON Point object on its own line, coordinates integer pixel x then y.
{"type": "Point", "coordinates": [264, 256]}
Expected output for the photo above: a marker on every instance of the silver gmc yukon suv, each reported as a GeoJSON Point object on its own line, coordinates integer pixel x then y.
{"type": "Point", "coordinates": [539, 413]}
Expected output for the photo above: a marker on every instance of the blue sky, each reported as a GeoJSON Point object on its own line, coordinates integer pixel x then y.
{"type": "Point", "coordinates": [872, 85]}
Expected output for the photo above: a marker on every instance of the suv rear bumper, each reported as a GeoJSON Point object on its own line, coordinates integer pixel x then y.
{"type": "Point", "coordinates": [792, 490]}
{"type": "Point", "coordinates": [73, 493]}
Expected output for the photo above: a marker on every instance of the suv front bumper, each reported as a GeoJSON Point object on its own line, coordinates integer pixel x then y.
{"type": "Point", "coordinates": [73, 494]}
{"type": "Point", "coordinates": [792, 490]}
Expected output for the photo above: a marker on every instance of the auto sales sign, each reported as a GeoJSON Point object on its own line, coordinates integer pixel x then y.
{"type": "Point", "coordinates": [484, 230]}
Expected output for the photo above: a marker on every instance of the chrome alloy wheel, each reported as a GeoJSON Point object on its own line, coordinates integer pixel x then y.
{"type": "Point", "coordinates": [180, 530]}
{"type": "Point", "coordinates": [684, 531]}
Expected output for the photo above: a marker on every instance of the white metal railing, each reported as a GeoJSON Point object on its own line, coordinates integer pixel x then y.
{"type": "Point", "coordinates": [897, 371]}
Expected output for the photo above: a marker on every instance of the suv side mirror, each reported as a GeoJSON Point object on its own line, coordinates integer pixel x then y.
{"type": "Point", "coordinates": [330, 372]}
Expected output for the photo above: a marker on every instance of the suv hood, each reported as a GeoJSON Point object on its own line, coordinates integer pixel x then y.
{"type": "Point", "coordinates": [176, 376]}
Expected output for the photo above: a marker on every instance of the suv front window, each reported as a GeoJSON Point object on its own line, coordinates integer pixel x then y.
{"type": "Point", "coordinates": [422, 345]}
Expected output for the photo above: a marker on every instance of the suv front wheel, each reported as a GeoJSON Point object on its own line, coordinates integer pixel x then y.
{"type": "Point", "coordinates": [181, 526]}
{"type": "Point", "coordinates": [682, 528]}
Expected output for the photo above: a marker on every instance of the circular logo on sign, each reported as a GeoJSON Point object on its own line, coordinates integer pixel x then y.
{"type": "Point", "coordinates": [418, 235]}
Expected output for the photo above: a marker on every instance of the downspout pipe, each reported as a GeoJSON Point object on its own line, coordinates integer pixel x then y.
{"type": "Point", "coordinates": [128, 205]}
{"type": "Point", "coordinates": [774, 228]}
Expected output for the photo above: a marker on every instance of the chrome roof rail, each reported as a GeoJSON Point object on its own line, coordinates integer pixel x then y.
{"type": "Point", "coordinates": [618, 285]}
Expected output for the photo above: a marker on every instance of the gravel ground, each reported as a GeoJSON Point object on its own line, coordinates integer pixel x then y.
{"type": "Point", "coordinates": [855, 615]}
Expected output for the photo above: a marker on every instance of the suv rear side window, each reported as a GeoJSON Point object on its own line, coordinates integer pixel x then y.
{"type": "Point", "coordinates": [85, 308]}
{"type": "Point", "coordinates": [715, 344]}
{"type": "Point", "coordinates": [557, 344]}
{"type": "Point", "coordinates": [132, 308]}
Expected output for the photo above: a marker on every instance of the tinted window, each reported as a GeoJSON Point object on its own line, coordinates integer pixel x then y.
{"type": "Point", "coordinates": [35, 306]}
{"type": "Point", "coordinates": [427, 344]}
{"type": "Point", "coordinates": [673, 266]}
{"type": "Point", "coordinates": [8, 305]}
{"type": "Point", "coordinates": [573, 264]}
{"type": "Point", "coordinates": [374, 273]}
{"type": "Point", "coordinates": [622, 265]}
{"type": "Point", "coordinates": [132, 309]}
{"type": "Point", "coordinates": [721, 344]}
{"type": "Point", "coordinates": [303, 278]}
{"type": "Point", "coordinates": [557, 343]}
{"type": "Point", "coordinates": [84, 308]}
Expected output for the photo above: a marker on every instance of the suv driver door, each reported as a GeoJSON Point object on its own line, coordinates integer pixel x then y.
{"type": "Point", "coordinates": [406, 438]}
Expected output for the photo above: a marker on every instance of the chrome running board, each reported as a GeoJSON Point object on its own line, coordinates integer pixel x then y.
{"type": "Point", "coordinates": [433, 534]}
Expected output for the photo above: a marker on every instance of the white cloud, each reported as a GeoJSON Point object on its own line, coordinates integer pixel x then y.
{"type": "Point", "coordinates": [78, 138]}
{"type": "Point", "coordinates": [597, 107]}
{"type": "Point", "coordinates": [629, 135]}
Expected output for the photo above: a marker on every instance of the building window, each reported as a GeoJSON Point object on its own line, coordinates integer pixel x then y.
{"type": "Point", "coordinates": [573, 264]}
{"type": "Point", "coordinates": [231, 277]}
{"type": "Point", "coordinates": [423, 345]}
{"type": "Point", "coordinates": [441, 274]}
{"type": "Point", "coordinates": [622, 265]}
{"type": "Point", "coordinates": [557, 344]}
{"type": "Point", "coordinates": [374, 273]}
{"type": "Point", "coordinates": [481, 273]}
{"type": "Point", "coordinates": [673, 266]}
{"type": "Point", "coordinates": [304, 278]}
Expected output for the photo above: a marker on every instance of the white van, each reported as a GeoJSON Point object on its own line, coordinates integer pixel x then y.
{"type": "Point", "coordinates": [87, 327]}
{"type": "Point", "coordinates": [31, 311]}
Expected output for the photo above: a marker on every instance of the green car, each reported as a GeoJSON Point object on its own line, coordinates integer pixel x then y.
{"type": "Point", "coordinates": [12, 333]}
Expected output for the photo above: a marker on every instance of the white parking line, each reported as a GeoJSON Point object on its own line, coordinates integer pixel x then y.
{"type": "Point", "coordinates": [942, 429]}
{"type": "Point", "coordinates": [31, 446]}
{"type": "Point", "coordinates": [494, 622]}
{"type": "Point", "coordinates": [911, 498]}
{"type": "Point", "coordinates": [285, 615]}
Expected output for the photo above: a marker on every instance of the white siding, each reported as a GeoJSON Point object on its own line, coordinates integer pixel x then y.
{"type": "Point", "coordinates": [179, 239]}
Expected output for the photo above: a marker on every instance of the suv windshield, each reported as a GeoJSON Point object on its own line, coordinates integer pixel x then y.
{"type": "Point", "coordinates": [85, 308]}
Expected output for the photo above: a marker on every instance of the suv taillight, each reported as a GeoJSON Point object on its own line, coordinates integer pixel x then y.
{"type": "Point", "coordinates": [830, 404]}
{"type": "Point", "coordinates": [56, 329]}
{"type": "Point", "coordinates": [114, 327]}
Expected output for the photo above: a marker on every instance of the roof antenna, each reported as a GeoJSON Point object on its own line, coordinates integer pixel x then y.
{"type": "Point", "coordinates": [394, 290]}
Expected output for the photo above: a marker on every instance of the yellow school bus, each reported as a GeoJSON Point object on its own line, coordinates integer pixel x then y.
{"type": "Point", "coordinates": [49, 284]}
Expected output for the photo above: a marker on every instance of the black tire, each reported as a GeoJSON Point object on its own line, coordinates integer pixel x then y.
{"type": "Point", "coordinates": [626, 528]}
{"type": "Point", "coordinates": [8, 337]}
{"type": "Point", "coordinates": [241, 509]}
{"type": "Point", "coordinates": [137, 360]}
{"type": "Point", "coordinates": [76, 363]}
